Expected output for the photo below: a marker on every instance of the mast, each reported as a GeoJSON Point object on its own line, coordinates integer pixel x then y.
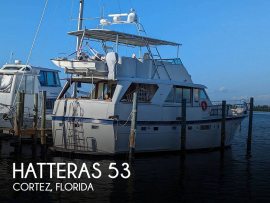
{"type": "Point", "coordinates": [79, 27]}
{"type": "Point", "coordinates": [79, 38]}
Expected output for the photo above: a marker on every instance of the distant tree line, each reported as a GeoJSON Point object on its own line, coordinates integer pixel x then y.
{"type": "Point", "coordinates": [262, 108]}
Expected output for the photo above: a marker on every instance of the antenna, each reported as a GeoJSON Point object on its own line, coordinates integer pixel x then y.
{"type": "Point", "coordinates": [80, 22]}
{"type": "Point", "coordinates": [11, 57]}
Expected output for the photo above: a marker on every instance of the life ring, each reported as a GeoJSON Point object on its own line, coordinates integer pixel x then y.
{"type": "Point", "coordinates": [204, 105]}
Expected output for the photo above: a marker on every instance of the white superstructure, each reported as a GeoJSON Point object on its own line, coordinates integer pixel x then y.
{"type": "Point", "coordinates": [96, 118]}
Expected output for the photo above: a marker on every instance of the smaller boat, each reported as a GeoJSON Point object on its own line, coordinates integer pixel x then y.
{"type": "Point", "coordinates": [29, 79]}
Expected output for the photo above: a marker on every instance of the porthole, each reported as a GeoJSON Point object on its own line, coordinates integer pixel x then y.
{"type": "Point", "coordinates": [143, 128]}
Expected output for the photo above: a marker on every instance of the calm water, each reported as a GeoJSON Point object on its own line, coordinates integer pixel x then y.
{"type": "Point", "coordinates": [201, 177]}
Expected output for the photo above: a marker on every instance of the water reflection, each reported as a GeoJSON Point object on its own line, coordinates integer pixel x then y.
{"type": "Point", "coordinates": [236, 174]}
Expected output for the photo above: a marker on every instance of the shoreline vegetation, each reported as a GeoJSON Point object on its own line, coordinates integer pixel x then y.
{"type": "Point", "coordinates": [264, 108]}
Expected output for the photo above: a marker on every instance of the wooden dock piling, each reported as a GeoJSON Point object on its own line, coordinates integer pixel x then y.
{"type": "Point", "coordinates": [22, 108]}
{"type": "Point", "coordinates": [251, 104]}
{"type": "Point", "coordinates": [35, 119]}
{"type": "Point", "coordinates": [43, 119]}
{"type": "Point", "coordinates": [18, 119]}
{"type": "Point", "coordinates": [223, 124]}
{"type": "Point", "coordinates": [133, 126]}
{"type": "Point", "coordinates": [183, 125]}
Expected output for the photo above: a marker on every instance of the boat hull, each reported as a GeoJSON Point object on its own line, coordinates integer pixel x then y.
{"type": "Point", "coordinates": [109, 137]}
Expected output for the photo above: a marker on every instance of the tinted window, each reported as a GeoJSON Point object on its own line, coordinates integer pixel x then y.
{"type": "Point", "coordinates": [145, 92]}
{"type": "Point", "coordinates": [170, 97]}
{"type": "Point", "coordinates": [47, 78]}
{"type": "Point", "coordinates": [178, 93]}
{"type": "Point", "coordinates": [42, 78]}
{"type": "Point", "coordinates": [50, 103]}
{"type": "Point", "coordinates": [196, 95]}
{"type": "Point", "coordinates": [187, 94]}
{"type": "Point", "coordinates": [51, 79]}
{"type": "Point", "coordinates": [203, 94]}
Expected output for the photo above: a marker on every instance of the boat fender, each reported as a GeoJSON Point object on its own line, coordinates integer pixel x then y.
{"type": "Point", "coordinates": [204, 105]}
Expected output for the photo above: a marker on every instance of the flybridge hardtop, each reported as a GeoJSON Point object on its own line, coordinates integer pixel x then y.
{"type": "Point", "coordinates": [21, 68]}
{"type": "Point", "coordinates": [121, 37]}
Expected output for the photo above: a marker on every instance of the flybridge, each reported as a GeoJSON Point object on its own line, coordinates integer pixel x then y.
{"type": "Point", "coordinates": [122, 38]}
{"type": "Point", "coordinates": [108, 64]}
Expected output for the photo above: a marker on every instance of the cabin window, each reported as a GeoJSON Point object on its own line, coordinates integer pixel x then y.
{"type": "Point", "coordinates": [178, 93]}
{"type": "Point", "coordinates": [199, 94]}
{"type": "Point", "coordinates": [170, 97]}
{"type": "Point", "coordinates": [6, 83]}
{"type": "Point", "coordinates": [203, 94]}
{"type": "Point", "coordinates": [50, 103]}
{"type": "Point", "coordinates": [145, 92]}
{"type": "Point", "coordinates": [102, 90]}
{"type": "Point", "coordinates": [42, 78]}
{"type": "Point", "coordinates": [187, 94]}
{"type": "Point", "coordinates": [12, 68]}
{"type": "Point", "coordinates": [155, 128]}
{"type": "Point", "coordinates": [196, 95]}
{"type": "Point", "coordinates": [205, 127]}
{"type": "Point", "coordinates": [25, 69]}
{"type": "Point", "coordinates": [49, 78]}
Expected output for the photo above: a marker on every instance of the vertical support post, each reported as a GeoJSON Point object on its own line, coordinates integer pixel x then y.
{"type": "Point", "coordinates": [79, 39]}
{"type": "Point", "coordinates": [35, 120]}
{"type": "Point", "coordinates": [79, 26]}
{"type": "Point", "coordinates": [223, 125]}
{"type": "Point", "coordinates": [133, 126]}
{"type": "Point", "coordinates": [22, 108]}
{"type": "Point", "coordinates": [250, 123]}
{"type": "Point", "coordinates": [116, 44]}
{"type": "Point", "coordinates": [183, 125]}
{"type": "Point", "coordinates": [18, 119]}
{"type": "Point", "coordinates": [43, 119]}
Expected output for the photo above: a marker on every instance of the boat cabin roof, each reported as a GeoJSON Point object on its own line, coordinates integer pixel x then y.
{"type": "Point", "coordinates": [123, 38]}
{"type": "Point", "coordinates": [16, 68]}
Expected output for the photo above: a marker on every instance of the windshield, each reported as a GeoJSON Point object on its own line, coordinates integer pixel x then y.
{"type": "Point", "coordinates": [49, 78]}
{"type": "Point", "coordinates": [5, 83]}
{"type": "Point", "coordinates": [101, 90]}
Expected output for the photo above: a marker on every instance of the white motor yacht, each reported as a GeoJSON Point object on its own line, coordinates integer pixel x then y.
{"type": "Point", "coordinates": [99, 120]}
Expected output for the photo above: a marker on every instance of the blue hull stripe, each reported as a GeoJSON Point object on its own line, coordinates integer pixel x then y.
{"type": "Point", "coordinates": [121, 122]}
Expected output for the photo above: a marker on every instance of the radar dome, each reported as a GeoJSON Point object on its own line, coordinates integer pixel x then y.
{"type": "Point", "coordinates": [104, 21]}
{"type": "Point", "coordinates": [132, 16]}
